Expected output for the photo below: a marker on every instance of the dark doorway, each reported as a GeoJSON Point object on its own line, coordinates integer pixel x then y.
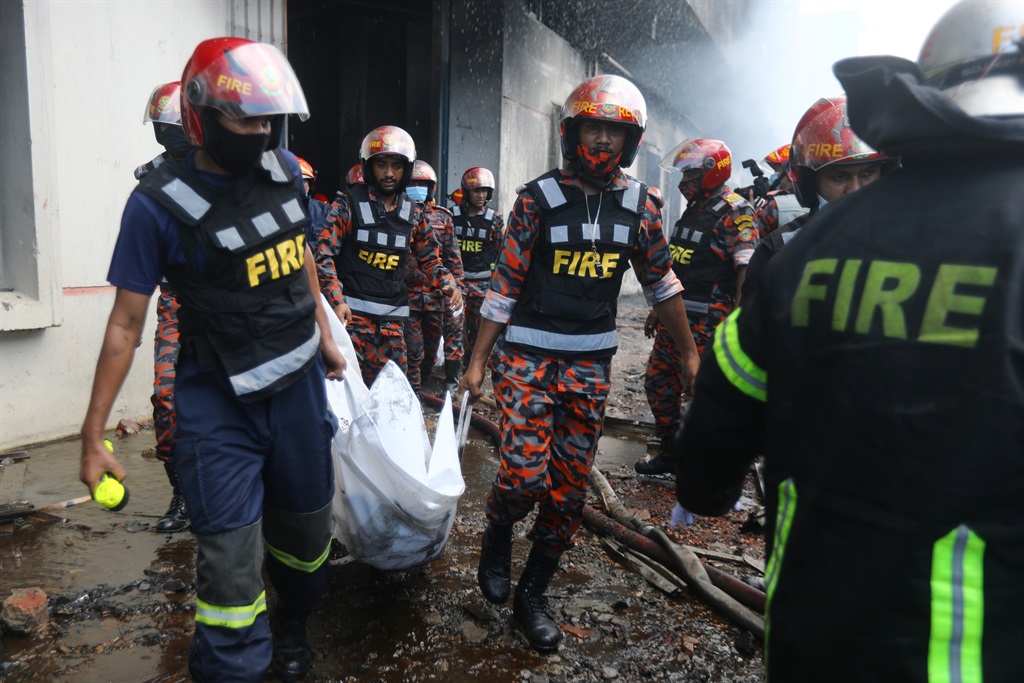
{"type": "Point", "coordinates": [362, 64]}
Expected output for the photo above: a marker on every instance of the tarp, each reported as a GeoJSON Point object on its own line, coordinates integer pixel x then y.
{"type": "Point", "coordinates": [395, 494]}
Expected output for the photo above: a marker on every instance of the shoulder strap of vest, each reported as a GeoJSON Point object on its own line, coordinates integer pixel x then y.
{"type": "Point", "coordinates": [489, 214]}
{"type": "Point", "coordinates": [363, 210]}
{"type": "Point", "coordinates": [456, 210]}
{"type": "Point", "coordinates": [548, 191]}
{"type": "Point", "coordinates": [723, 203]}
{"type": "Point", "coordinates": [179, 190]}
{"type": "Point", "coordinates": [633, 197]}
{"type": "Point", "coordinates": [405, 208]}
{"type": "Point", "coordinates": [275, 164]}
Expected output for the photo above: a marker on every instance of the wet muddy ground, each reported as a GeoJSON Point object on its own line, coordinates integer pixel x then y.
{"type": "Point", "coordinates": [122, 596]}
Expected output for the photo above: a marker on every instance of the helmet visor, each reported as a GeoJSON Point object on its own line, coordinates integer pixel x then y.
{"type": "Point", "coordinates": [254, 79]}
{"type": "Point", "coordinates": [164, 105]}
{"type": "Point", "coordinates": [683, 157]}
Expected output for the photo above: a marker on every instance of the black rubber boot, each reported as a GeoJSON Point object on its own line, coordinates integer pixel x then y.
{"type": "Point", "coordinates": [660, 464]}
{"type": "Point", "coordinates": [176, 517]}
{"type": "Point", "coordinates": [293, 657]}
{"type": "Point", "coordinates": [426, 372]}
{"type": "Point", "coordinates": [530, 606]}
{"type": "Point", "coordinates": [495, 563]}
{"type": "Point", "coordinates": [451, 378]}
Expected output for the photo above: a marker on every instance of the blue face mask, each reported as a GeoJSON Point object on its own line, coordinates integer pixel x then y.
{"type": "Point", "coordinates": [417, 193]}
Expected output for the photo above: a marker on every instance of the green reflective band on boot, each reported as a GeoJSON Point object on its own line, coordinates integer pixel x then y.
{"type": "Point", "coordinates": [742, 372]}
{"type": "Point", "coordinates": [295, 563]}
{"type": "Point", "coordinates": [230, 617]}
{"type": "Point", "coordinates": [783, 523]}
{"type": "Point", "coordinates": [958, 608]}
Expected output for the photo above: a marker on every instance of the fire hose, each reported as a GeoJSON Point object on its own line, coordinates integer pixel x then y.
{"type": "Point", "coordinates": [720, 590]}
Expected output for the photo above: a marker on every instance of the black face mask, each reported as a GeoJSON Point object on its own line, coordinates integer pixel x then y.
{"type": "Point", "coordinates": [173, 139]}
{"type": "Point", "coordinates": [233, 152]}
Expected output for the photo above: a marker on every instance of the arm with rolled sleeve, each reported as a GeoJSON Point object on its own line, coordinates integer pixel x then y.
{"type": "Point", "coordinates": [736, 236]}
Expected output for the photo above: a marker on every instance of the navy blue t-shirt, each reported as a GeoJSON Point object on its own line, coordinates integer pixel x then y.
{"type": "Point", "coordinates": [148, 241]}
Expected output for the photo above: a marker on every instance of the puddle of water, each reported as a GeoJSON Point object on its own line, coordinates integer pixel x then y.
{"type": "Point", "coordinates": [381, 626]}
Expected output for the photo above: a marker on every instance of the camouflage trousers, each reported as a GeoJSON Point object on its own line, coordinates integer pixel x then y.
{"type": "Point", "coordinates": [473, 295]}
{"type": "Point", "coordinates": [551, 413]}
{"type": "Point", "coordinates": [376, 342]}
{"type": "Point", "coordinates": [166, 346]}
{"type": "Point", "coordinates": [423, 333]}
{"type": "Point", "coordinates": [664, 383]}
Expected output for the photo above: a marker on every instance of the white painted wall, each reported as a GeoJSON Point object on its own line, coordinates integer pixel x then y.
{"type": "Point", "coordinates": [91, 66]}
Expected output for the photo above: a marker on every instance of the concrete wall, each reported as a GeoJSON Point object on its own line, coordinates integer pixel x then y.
{"type": "Point", "coordinates": [86, 72]}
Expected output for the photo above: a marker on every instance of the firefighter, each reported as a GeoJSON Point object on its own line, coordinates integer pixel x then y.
{"type": "Point", "coordinates": [571, 236]}
{"type": "Point", "coordinates": [711, 244]}
{"type": "Point", "coordinates": [880, 370]}
{"type": "Point", "coordinates": [361, 254]}
{"type": "Point", "coordinates": [354, 176]}
{"type": "Point", "coordinates": [225, 225]}
{"type": "Point", "coordinates": [781, 205]}
{"type": "Point", "coordinates": [430, 319]}
{"type": "Point", "coordinates": [163, 110]}
{"type": "Point", "coordinates": [828, 162]}
{"type": "Point", "coordinates": [480, 229]}
{"type": "Point", "coordinates": [316, 210]}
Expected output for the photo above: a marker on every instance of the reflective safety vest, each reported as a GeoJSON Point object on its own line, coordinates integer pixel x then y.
{"type": "Point", "coordinates": [568, 302]}
{"type": "Point", "coordinates": [475, 235]}
{"type": "Point", "coordinates": [245, 299]}
{"type": "Point", "coordinates": [150, 165]}
{"type": "Point", "coordinates": [693, 261]}
{"type": "Point", "coordinates": [789, 208]}
{"type": "Point", "coordinates": [371, 264]}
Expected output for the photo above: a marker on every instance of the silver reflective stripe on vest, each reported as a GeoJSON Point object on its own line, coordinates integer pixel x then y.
{"type": "Point", "coordinates": [376, 309]}
{"type": "Point", "coordinates": [591, 231]}
{"type": "Point", "coordinates": [456, 211]}
{"type": "Point", "coordinates": [542, 339]}
{"type": "Point", "coordinates": [552, 192]}
{"type": "Point", "coordinates": [382, 239]}
{"type": "Point", "coordinates": [399, 241]}
{"type": "Point", "coordinates": [478, 275]}
{"type": "Point", "coordinates": [621, 234]}
{"type": "Point", "coordinates": [458, 230]}
{"type": "Point", "coordinates": [366, 213]}
{"type": "Point", "coordinates": [185, 197]}
{"type": "Point", "coordinates": [157, 161]}
{"type": "Point", "coordinates": [559, 233]}
{"type": "Point", "coordinates": [719, 205]}
{"type": "Point", "coordinates": [273, 166]}
{"type": "Point", "coordinates": [405, 210]}
{"type": "Point", "coordinates": [230, 239]}
{"type": "Point", "coordinates": [789, 208]}
{"type": "Point", "coordinates": [787, 236]}
{"type": "Point", "coordinates": [489, 215]}
{"type": "Point", "coordinates": [696, 307]}
{"type": "Point", "coordinates": [631, 197]}
{"type": "Point", "coordinates": [697, 234]}
{"type": "Point", "coordinates": [293, 210]}
{"type": "Point", "coordinates": [265, 224]}
{"type": "Point", "coordinates": [265, 374]}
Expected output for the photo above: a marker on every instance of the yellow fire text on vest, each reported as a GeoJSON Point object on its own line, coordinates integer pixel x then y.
{"type": "Point", "coordinates": [471, 245]}
{"type": "Point", "coordinates": [584, 263]}
{"type": "Point", "coordinates": [862, 292]}
{"type": "Point", "coordinates": [280, 260]}
{"type": "Point", "coordinates": [380, 260]}
{"type": "Point", "coordinates": [680, 255]}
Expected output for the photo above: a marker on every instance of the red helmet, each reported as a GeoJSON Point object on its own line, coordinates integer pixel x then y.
{"type": "Point", "coordinates": [388, 140]}
{"type": "Point", "coordinates": [711, 157]}
{"type": "Point", "coordinates": [239, 78]}
{"type": "Point", "coordinates": [164, 104]}
{"type": "Point", "coordinates": [424, 172]}
{"type": "Point", "coordinates": [477, 177]}
{"type": "Point", "coordinates": [823, 137]}
{"type": "Point", "coordinates": [780, 156]}
{"type": "Point", "coordinates": [307, 169]}
{"type": "Point", "coordinates": [456, 196]}
{"type": "Point", "coordinates": [354, 176]}
{"type": "Point", "coordinates": [609, 99]}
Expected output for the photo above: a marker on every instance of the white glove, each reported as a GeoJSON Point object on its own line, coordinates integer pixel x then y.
{"type": "Point", "coordinates": [681, 516]}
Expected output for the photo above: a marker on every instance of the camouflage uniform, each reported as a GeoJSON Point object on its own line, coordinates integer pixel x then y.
{"type": "Point", "coordinates": [429, 317]}
{"type": "Point", "coordinates": [376, 340]}
{"type": "Point", "coordinates": [732, 239]}
{"type": "Point", "coordinates": [551, 407]}
{"type": "Point", "coordinates": [165, 355]}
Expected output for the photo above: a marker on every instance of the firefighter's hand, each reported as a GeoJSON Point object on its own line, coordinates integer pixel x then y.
{"type": "Point", "coordinates": [453, 295]}
{"type": "Point", "coordinates": [471, 382]}
{"type": "Point", "coordinates": [334, 362]}
{"type": "Point", "coordinates": [97, 460]}
{"type": "Point", "coordinates": [343, 312]}
{"type": "Point", "coordinates": [651, 325]}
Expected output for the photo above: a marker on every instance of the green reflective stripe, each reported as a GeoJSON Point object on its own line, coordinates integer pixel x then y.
{"type": "Point", "coordinates": [958, 608]}
{"type": "Point", "coordinates": [295, 563]}
{"type": "Point", "coordinates": [230, 617]}
{"type": "Point", "coordinates": [739, 369]}
{"type": "Point", "coordinates": [783, 523]}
